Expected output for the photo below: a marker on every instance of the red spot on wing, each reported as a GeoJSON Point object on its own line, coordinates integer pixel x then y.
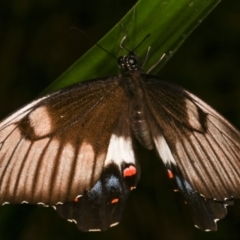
{"type": "Point", "coordinates": [76, 199]}
{"type": "Point", "coordinates": [115, 200]}
{"type": "Point", "coordinates": [170, 174]}
{"type": "Point", "coordinates": [129, 171]}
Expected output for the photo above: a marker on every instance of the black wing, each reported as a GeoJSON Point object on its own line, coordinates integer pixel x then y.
{"type": "Point", "coordinates": [198, 146]}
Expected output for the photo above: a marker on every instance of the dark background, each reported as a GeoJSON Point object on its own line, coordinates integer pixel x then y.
{"type": "Point", "coordinates": [37, 45]}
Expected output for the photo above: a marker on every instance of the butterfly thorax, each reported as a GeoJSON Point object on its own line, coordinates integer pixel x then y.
{"type": "Point", "coordinates": [131, 82]}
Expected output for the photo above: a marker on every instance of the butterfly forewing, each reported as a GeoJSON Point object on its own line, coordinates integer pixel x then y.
{"type": "Point", "coordinates": [204, 145]}
{"type": "Point", "coordinates": [198, 146]}
{"type": "Point", "coordinates": [58, 143]}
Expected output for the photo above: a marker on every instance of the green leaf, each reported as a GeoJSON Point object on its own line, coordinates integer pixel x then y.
{"type": "Point", "coordinates": [169, 23]}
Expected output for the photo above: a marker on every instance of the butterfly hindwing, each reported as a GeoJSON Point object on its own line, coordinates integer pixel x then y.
{"type": "Point", "coordinates": [102, 206]}
{"type": "Point", "coordinates": [205, 212]}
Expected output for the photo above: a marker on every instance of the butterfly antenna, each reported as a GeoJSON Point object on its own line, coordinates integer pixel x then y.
{"type": "Point", "coordinates": [125, 31]}
{"type": "Point", "coordinates": [82, 32]}
{"type": "Point", "coordinates": [156, 63]}
{"type": "Point", "coordinates": [141, 42]}
{"type": "Point", "coordinates": [146, 58]}
{"type": "Point", "coordinates": [131, 51]}
{"type": "Point", "coordinates": [121, 44]}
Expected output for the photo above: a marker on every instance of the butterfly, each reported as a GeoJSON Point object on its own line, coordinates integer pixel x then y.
{"type": "Point", "coordinates": [73, 149]}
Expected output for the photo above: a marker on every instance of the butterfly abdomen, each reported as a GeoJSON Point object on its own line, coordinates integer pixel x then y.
{"type": "Point", "coordinates": [137, 111]}
{"type": "Point", "coordinates": [140, 128]}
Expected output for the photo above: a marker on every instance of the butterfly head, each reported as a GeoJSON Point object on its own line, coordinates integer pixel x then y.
{"type": "Point", "coordinates": [128, 63]}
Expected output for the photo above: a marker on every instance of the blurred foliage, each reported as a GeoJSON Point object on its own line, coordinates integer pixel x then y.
{"type": "Point", "coordinates": [37, 45]}
{"type": "Point", "coordinates": [178, 19]}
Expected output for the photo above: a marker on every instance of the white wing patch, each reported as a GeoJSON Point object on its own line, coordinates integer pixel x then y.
{"type": "Point", "coordinates": [163, 150]}
{"type": "Point", "coordinates": [120, 150]}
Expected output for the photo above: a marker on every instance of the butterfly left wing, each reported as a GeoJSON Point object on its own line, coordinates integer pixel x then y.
{"type": "Point", "coordinates": [59, 150]}
{"type": "Point", "coordinates": [199, 148]}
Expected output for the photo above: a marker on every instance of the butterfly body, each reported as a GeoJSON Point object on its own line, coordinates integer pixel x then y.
{"type": "Point", "coordinates": [73, 149]}
{"type": "Point", "coordinates": [132, 82]}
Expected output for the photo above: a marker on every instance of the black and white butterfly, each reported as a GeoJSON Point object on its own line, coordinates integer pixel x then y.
{"type": "Point", "coordinates": [73, 149]}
